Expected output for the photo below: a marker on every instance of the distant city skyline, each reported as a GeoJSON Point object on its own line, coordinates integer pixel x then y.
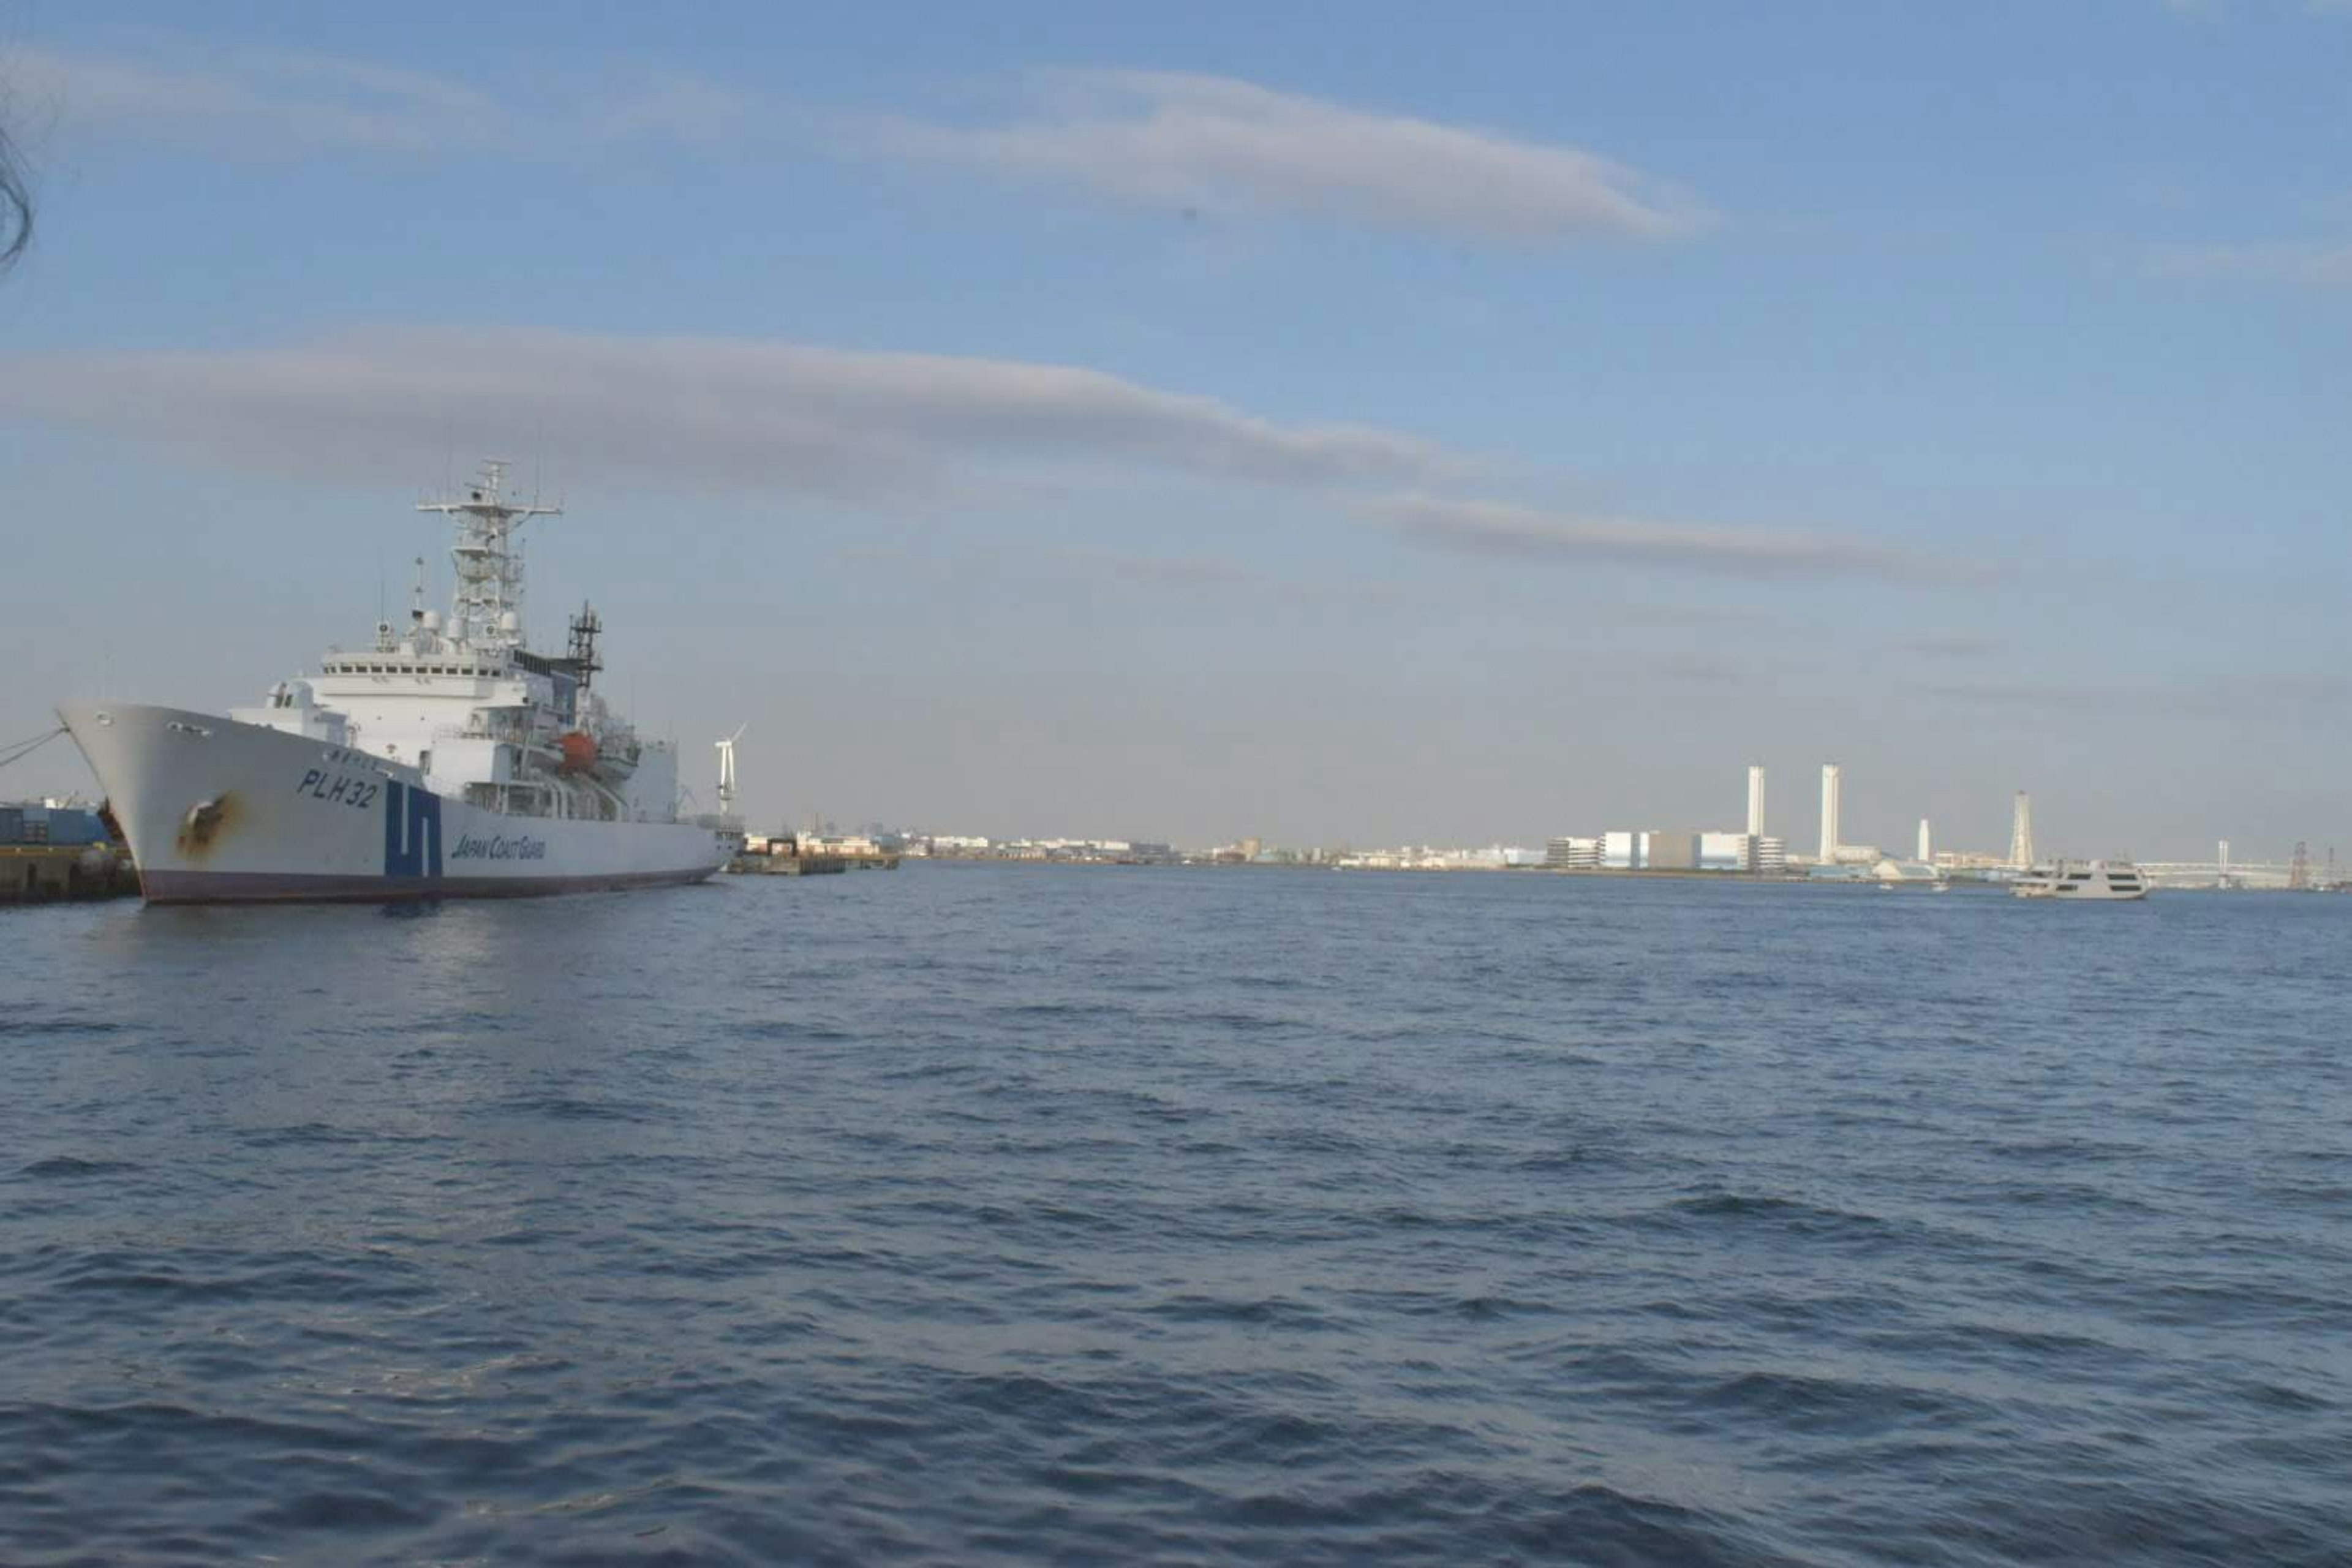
{"type": "Point", "coordinates": [1132, 424]}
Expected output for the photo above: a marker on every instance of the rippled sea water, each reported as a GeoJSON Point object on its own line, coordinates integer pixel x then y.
{"type": "Point", "coordinates": [971, 1214]}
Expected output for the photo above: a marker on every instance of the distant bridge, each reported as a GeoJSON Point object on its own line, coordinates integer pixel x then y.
{"type": "Point", "coordinates": [2236, 873]}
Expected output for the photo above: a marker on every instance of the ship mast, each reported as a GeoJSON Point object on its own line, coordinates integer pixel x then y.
{"type": "Point", "coordinates": [486, 604]}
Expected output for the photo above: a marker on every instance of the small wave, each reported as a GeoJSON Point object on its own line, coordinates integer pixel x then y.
{"type": "Point", "coordinates": [34, 1027]}
{"type": "Point", "coordinates": [1020, 1010]}
{"type": "Point", "coordinates": [52, 1425]}
{"type": "Point", "coordinates": [1270, 1312]}
{"type": "Point", "coordinates": [1450, 1516]}
{"type": "Point", "coordinates": [298, 1133]}
{"type": "Point", "coordinates": [1492, 1309]}
{"type": "Point", "coordinates": [1802, 1403]}
{"type": "Point", "coordinates": [1567, 1161]}
{"type": "Point", "coordinates": [1789, 1214]}
{"type": "Point", "coordinates": [2216, 1304]}
{"type": "Point", "coordinates": [2037, 1347]}
{"type": "Point", "coordinates": [331, 1510]}
{"type": "Point", "coordinates": [380, 1281]}
{"type": "Point", "coordinates": [1237, 1023]}
{"type": "Point", "coordinates": [2280, 1396]}
{"type": "Point", "coordinates": [567, 1108]}
{"type": "Point", "coordinates": [794, 1030]}
{"type": "Point", "coordinates": [66, 1166]}
{"type": "Point", "coordinates": [1054, 1219]}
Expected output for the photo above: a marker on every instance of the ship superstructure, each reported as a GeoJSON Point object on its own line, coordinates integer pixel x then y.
{"type": "Point", "coordinates": [482, 765]}
{"type": "Point", "coordinates": [465, 702]}
{"type": "Point", "coordinates": [2082, 882]}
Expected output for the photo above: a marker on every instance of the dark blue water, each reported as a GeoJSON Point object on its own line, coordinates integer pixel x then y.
{"type": "Point", "coordinates": [999, 1214]}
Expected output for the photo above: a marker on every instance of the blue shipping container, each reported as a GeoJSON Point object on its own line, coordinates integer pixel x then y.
{"type": "Point", "coordinates": [68, 824]}
{"type": "Point", "coordinates": [50, 824]}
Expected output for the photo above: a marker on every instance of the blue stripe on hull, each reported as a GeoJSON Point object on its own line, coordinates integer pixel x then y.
{"type": "Point", "coordinates": [412, 831]}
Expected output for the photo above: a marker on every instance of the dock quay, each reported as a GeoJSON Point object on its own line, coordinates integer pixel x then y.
{"type": "Point", "coordinates": [40, 873]}
{"type": "Point", "coordinates": [791, 855]}
{"type": "Point", "coordinates": [785, 864]}
{"type": "Point", "coordinates": [57, 850]}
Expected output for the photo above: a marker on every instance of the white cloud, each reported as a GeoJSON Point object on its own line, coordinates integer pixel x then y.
{"type": "Point", "coordinates": [1156, 138]}
{"type": "Point", "coordinates": [1212, 141]}
{"type": "Point", "coordinates": [1500, 528]}
{"type": "Point", "coordinates": [709, 411]}
{"type": "Point", "coordinates": [2303, 263]}
{"type": "Point", "coordinates": [272, 102]}
{"type": "Point", "coordinates": [796, 420]}
{"type": "Point", "coordinates": [2290, 698]}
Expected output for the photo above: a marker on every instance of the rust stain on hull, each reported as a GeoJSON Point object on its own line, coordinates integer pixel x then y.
{"type": "Point", "coordinates": [204, 824]}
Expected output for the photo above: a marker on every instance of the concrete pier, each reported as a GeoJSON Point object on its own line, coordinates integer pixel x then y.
{"type": "Point", "coordinates": [41, 873]}
{"type": "Point", "coordinates": [788, 864]}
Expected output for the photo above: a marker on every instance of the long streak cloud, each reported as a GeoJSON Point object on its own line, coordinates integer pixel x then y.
{"type": "Point", "coordinates": [1200, 140]}
{"type": "Point", "coordinates": [713, 411]}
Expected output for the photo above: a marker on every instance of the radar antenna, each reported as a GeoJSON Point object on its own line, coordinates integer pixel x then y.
{"type": "Point", "coordinates": [581, 652]}
{"type": "Point", "coordinates": [486, 605]}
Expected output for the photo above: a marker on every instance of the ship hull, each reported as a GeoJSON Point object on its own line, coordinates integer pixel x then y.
{"type": "Point", "coordinates": [219, 812]}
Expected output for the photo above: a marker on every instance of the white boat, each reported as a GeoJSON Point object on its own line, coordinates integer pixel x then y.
{"type": "Point", "coordinates": [2082, 882]}
{"type": "Point", "coordinates": [445, 760]}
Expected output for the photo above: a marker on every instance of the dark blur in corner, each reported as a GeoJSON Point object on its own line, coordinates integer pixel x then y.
{"type": "Point", "coordinates": [16, 204]}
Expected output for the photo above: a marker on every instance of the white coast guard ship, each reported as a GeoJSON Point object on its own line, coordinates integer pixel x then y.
{"type": "Point", "coordinates": [446, 759]}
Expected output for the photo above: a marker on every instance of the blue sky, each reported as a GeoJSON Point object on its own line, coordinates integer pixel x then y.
{"type": "Point", "coordinates": [1347, 423]}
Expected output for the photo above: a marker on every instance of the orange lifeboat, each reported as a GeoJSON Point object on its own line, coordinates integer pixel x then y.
{"type": "Point", "coordinates": [579, 749]}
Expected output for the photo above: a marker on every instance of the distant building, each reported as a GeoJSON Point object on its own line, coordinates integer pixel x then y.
{"type": "Point", "coordinates": [1755, 803]}
{"type": "Point", "coordinates": [1651, 849]}
{"type": "Point", "coordinates": [1771, 857]}
{"type": "Point", "coordinates": [1726, 851]}
{"type": "Point", "coordinates": [1670, 851]}
{"type": "Point", "coordinates": [1572, 854]}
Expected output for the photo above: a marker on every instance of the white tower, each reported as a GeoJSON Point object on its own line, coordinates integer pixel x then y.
{"type": "Point", "coordinates": [1830, 775]}
{"type": "Point", "coordinates": [1927, 849]}
{"type": "Point", "coordinates": [727, 772]}
{"type": "Point", "coordinates": [2021, 832]}
{"type": "Point", "coordinates": [2224, 860]}
{"type": "Point", "coordinates": [1755, 803]}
